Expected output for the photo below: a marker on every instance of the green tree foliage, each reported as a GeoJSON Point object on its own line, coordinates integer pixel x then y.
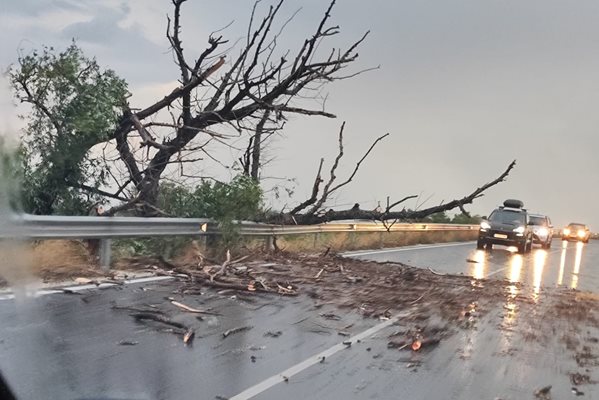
{"type": "Point", "coordinates": [10, 177]}
{"type": "Point", "coordinates": [74, 106]}
{"type": "Point", "coordinates": [240, 199]}
{"type": "Point", "coordinates": [466, 219]}
{"type": "Point", "coordinates": [461, 218]}
{"type": "Point", "coordinates": [439, 218]}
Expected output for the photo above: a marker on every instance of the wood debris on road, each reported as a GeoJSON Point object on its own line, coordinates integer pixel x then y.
{"type": "Point", "coordinates": [233, 331]}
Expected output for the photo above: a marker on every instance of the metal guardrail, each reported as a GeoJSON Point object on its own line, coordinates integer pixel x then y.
{"type": "Point", "coordinates": [272, 230]}
{"type": "Point", "coordinates": [107, 228]}
{"type": "Point", "coordinates": [63, 227]}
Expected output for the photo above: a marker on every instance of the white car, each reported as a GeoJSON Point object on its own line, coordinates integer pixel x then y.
{"type": "Point", "coordinates": [542, 230]}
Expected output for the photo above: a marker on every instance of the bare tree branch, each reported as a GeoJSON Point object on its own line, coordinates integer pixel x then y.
{"type": "Point", "coordinates": [389, 207]}
{"type": "Point", "coordinates": [358, 164]}
{"type": "Point", "coordinates": [315, 190]}
{"type": "Point", "coordinates": [100, 192]}
{"type": "Point", "coordinates": [326, 191]}
{"type": "Point", "coordinates": [403, 215]}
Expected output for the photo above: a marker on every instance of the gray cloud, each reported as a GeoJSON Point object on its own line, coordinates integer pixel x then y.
{"type": "Point", "coordinates": [38, 7]}
{"type": "Point", "coordinates": [464, 88]}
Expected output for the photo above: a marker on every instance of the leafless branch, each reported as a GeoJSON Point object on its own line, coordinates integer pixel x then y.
{"type": "Point", "coordinates": [315, 190]}
{"type": "Point", "coordinates": [358, 164]}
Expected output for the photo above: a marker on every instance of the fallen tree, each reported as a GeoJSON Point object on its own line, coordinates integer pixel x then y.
{"type": "Point", "coordinates": [313, 210]}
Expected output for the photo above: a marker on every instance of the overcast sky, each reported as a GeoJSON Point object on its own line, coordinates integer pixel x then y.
{"type": "Point", "coordinates": [464, 87]}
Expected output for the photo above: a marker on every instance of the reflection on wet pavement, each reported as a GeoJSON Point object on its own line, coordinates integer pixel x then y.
{"type": "Point", "coordinates": [539, 264]}
{"type": "Point", "coordinates": [566, 264]}
{"type": "Point", "coordinates": [510, 307]}
{"type": "Point", "coordinates": [515, 269]}
{"type": "Point", "coordinates": [563, 266]}
{"type": "Point", "coordinates": [577, 262]}
{"type": "Point", "coordinates": [478, 269]}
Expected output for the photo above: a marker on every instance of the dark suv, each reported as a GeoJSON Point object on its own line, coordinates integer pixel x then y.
{"type": "Point", "coordinates": [542, 230]}
{"type": "Point", "coordinates": [507, 225]}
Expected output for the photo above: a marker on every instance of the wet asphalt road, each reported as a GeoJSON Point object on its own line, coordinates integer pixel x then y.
{"type": "Point", "coordinates": [566, 264]}
{"type": "Point", "coordinates": [66, 346]}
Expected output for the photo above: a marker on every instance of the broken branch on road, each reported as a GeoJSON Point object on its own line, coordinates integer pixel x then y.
{"type": "Point", "coordinates": [191, 309]}
{"type": "Point", "coordinates": [233, 331]}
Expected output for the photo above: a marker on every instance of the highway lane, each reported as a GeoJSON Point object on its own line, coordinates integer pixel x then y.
{"type": "Point", "coordinates": [483, 362]}
{"type": "Point", "coordinates": [566, 264]}
{"type": "Point", "coordinates": [67, 346]}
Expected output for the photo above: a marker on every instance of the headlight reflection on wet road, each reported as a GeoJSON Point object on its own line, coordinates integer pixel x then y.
{"type": "Point", "coordinates": [515, 269]}
{"type": "Point", "coordinates": [510, 307]}
{"type": "Point", "coordinates": [478, 271]}
{"type": "Point", "coordinates": [539, 264]}
{"type": "Point", "coordinates": [577, 262]}
{"type": "Point", "coordinates": [516, 263]}
{"type": "Point", "coordinates": [562, 263]}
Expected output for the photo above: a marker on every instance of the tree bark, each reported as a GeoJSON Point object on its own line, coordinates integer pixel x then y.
{"type": "Point", "coordinates": [257, 147]}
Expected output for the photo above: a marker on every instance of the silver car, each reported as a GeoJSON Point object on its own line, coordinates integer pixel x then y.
{"type": "Point", "coordinates": [542, 230]}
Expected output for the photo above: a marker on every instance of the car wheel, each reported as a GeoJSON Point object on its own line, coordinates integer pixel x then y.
{"type": "Point", "coordinates": [528, 247]}
{"type": "Point", "coordinates": [522, 248]}
{"type": "Point", "coordinates": [480, 244]}
{"type": "Point", "coordinates": [547, 245]}
{"type": "Point", "coordinates": [489, 246]}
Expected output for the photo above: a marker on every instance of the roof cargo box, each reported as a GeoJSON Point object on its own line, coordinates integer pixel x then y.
{"type": "Point", "coordinates": [513, 203]}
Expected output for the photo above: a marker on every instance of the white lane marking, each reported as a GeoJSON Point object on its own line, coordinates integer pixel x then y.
{"type": "Point", "coordinates": [315, 359]}
{"type": "Point", "coordinates": [80, 288]}
{"type": "Point", "coordinates": [407, 248]}
{"type": "Point", "coordinates": [496, 272]}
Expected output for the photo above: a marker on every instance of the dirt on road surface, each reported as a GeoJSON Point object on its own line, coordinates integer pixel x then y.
{"type": "Point", "coordinates": [437, 305]}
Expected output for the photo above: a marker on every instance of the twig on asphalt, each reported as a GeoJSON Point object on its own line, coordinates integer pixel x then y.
{"type": "Point", "coordinates": [435, 272]}
{"type": "Point", "coordinates": [188, 337]}
{"type": "Point", "coordinates": [138, 310]}
{"type": "Point", "coordinates": [159, 318]}
{"type": "Point", "coordinates": [191, 309]}
{"type": "Point", "coordinates": [418, 299]}
{"type": "Point", "coordinates": [230, 332]}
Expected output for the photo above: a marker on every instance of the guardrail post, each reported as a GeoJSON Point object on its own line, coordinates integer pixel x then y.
{"type": "Point", "coordinates": [270, 243]}
{"type": "Point", "coordinates": [105, 253]}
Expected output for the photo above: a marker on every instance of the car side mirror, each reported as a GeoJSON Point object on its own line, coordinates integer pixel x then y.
{"type": "Point", "coordinates": [484, 217]}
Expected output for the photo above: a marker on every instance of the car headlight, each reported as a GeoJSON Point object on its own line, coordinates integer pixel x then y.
{"type": "Point", "coordinates": [566, 231]}
{"type": "Point", "coordinates": [581, 233]}
{"type": "Point", "coordinates": [542, 231]}
{"type": "Point", "coordinates": [519, 229]}
{"type": "Point", "coordinates": [485, 225]}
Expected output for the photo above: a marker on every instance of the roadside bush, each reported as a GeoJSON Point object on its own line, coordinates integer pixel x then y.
{"type": "Point", "coordinates": [226, 203]}
{"type": "Point", "coordinates": [466, 219]}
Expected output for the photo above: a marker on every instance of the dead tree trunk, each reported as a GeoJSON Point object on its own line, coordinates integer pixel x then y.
{"type": "Point", "coordinates": [257, 147]}
{"type": "Point", "coordinates": [257, 84]}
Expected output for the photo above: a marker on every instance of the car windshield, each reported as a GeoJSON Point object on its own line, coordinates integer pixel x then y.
{"type": "Point", "coordinates": [507, 217]}
{"type": "Point", "coordinates": [576, 226]}
{"type": "Point", "coordinates": [536, 220]}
